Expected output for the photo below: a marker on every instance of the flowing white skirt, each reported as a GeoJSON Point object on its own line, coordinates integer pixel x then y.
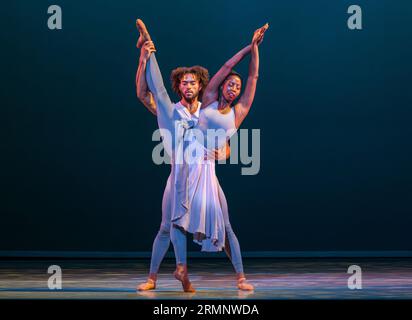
{"type": "Point", "coordinates": [197, 206]}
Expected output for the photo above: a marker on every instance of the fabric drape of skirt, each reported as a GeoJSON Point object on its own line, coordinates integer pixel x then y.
{"type": "Point", "coordinates": [196, 204]}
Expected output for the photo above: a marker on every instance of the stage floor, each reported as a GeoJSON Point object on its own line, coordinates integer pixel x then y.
{"type": "Point", "coordinates": [213, 279]}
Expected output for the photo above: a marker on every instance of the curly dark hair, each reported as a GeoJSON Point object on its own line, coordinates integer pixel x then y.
{"type": "Point", "coordinates": [201, 73]}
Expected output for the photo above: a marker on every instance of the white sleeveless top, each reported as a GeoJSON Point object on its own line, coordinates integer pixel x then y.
{"type": "Point", "coordinates": [216, 127]}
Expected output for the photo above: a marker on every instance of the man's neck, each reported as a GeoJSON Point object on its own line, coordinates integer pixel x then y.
{"type": "Point", "coordinates": [190, 105]}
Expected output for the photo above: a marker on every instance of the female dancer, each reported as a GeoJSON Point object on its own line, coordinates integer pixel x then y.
{"type": "Point", "coordinates": [217, 113]}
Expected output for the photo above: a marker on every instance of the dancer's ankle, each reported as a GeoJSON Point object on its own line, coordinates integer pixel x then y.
{"type": "Point", "coordinates": [181, 274]}
{"type": "Point", "coordinates": [242, 283]}
{"type": "Point", "coordinates": [181, 269]}
{"type": "Point", "coordinates": [181, 266]}
{"type": "Point", "coordinates": [153, 277]}
{"type": "Point", "coordinates": [240, 276]}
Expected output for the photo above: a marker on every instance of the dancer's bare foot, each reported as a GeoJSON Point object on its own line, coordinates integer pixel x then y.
{"type": "Point", "coordinates": [181, 275]}
{"type": "Point", "coordinates": [144, 34]}
{"type": "Point", "coordinates": [242, 284]}
{"type": "Point", "coordinates": [148, 285]}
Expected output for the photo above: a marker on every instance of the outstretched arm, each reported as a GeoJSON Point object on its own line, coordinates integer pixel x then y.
{"type": "Point", "coordinates": [245, 102]}
{"type": "Point", "coordinates": [212, 90]}
{"type": "Point", "coordinates": [142, 91]}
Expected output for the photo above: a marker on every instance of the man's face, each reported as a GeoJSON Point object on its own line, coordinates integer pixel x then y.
{"type": "Point", "coordinates": [189, 86]}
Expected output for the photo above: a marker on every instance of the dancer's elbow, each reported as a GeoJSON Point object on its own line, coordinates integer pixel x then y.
{"type": "Point", "coordinates": [142, 94]}
{"type": "Point", "coordinates": [253, 77]}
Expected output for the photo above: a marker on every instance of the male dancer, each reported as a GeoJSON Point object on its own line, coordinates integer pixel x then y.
{"type": "Point", "coordinates": [189, 83]}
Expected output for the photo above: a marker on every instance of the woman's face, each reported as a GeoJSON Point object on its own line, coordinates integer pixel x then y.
{"type": "Point", "coordinates": [231, 88]}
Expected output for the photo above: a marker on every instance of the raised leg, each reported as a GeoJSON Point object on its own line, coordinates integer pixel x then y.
{"type": "Point", "coordinates": [154, 79]}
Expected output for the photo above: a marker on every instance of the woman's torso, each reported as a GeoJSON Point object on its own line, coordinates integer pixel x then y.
{"type": "Point", "coordinates": [216, 127]}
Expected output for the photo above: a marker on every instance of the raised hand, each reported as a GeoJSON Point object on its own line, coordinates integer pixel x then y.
{"type": "Point", "coordinates": [147, 49]}
{"type": "Point", "coordinates": [259, 34]}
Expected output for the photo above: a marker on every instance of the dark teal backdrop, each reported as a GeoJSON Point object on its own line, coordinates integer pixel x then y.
{"type": "Point", "coordinates": [333, 106]}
